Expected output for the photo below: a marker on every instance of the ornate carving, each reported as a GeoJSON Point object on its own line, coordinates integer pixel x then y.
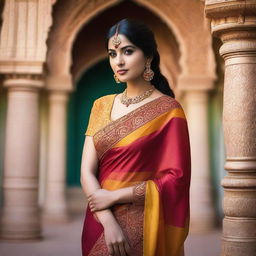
{"type": "Point", "coordinates": [245, 25]}
{"type": "Point", "coordinates": [238, 35]}
{"type": "Point", "coordinates": [225, 8]}
{"type": "Point", "coordinates": [24, 76]}
{"type": "Point", "coordinates": [23, 44]}
{"type": "Point", "coordinates": [23, 82]}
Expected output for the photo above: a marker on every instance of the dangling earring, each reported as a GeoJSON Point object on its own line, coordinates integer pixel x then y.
{"type": "Point", "coordinates": [148, 73]}
{"type": "Point", "coordinates": [116, 79]}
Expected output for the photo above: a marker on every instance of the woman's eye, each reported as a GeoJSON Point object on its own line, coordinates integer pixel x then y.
{"type": "Point", "coordinates": [112, 54]}
{"type": "Point", "coordinates": [128, 51]}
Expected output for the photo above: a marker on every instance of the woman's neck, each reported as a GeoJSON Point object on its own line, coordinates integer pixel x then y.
{"type": "Point", "coordinates": [137, 88]}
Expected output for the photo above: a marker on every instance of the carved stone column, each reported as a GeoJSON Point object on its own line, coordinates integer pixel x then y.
{"type": "Point", "coordinates": [23, 50]}
{"type": "Point", "coordinates": [20, 218]}
{"type": "Point", "coordinates": [196, 90]}
{"type": "Point", "coordinates": [55, 207]}
{"type": "Point", "coordinates": [234, 22]}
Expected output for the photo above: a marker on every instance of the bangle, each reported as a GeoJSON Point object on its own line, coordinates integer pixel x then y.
{"type": "Point", "coordinates": [139, 193]}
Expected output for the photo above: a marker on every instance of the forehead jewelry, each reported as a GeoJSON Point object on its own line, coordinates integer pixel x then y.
{"type": "Point", "coordinates": [116, 40]}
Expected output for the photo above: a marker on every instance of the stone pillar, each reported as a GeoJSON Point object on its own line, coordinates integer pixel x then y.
{"type": "Point", "coordinates": [55, 207]}
{"type": "Point", "coordinates": [202, 211]}
{"type": "Point", "coordinates": [20, 218]}
{"type": "Point", "coordinates": [23, 50]}
{"type": "Point", "coordinates": [234, 22]}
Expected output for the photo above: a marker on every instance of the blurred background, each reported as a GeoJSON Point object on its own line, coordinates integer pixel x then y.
{"type": "Point", "coordinates": [53, 65]}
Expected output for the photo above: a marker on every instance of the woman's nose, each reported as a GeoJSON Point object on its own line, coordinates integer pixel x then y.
{"type": "Point", "coordinates": [119, 60]}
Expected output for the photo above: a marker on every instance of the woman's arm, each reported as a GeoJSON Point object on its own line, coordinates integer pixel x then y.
{"type": "Point", "coordinates": [115, 239]}
{"type": "Point", "coordinates": [102, 199]}
{"type": "Point", "coordinates": [88, 176]}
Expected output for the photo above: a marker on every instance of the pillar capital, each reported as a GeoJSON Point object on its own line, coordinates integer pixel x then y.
{"type": "Point", "coordinates": [232, 19]}
{"type": "Point", "coordinates": [195, 83]}
{"type": "Point", "coordinates": [225, 8]}
{"type": "Point", "coordinates": [23, 82]}
{"type": "Point", "coordinates": [58, 96]}
{"type": "Point", "coordinates": [59, 83]}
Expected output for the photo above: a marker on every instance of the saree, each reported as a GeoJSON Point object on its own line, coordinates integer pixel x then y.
{"type": "Point", "coordinates": [148, 145]}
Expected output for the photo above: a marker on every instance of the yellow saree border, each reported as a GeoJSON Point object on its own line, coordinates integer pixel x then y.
{"type": "Point", "coordinates": [151, 219]}
{"type": "Point", "coordinates": [160, 238]}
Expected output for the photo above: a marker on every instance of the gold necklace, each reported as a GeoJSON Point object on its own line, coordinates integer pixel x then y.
{"type": "Point", "coordinates": [132, 100]}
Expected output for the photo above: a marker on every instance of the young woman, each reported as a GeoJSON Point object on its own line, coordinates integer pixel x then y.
{"type": "Point", "coordinates": [136, 159]}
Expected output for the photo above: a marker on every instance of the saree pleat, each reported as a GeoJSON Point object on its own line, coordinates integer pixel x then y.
{"type": "Point", "coordinates": [148, 144]}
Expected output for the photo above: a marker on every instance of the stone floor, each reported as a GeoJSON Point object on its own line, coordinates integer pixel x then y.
{"type": "Point", "coordinates": [64, 240]}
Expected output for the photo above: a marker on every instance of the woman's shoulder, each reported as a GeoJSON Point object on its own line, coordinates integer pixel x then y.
{"type": "Point", "coordinates": [105, 99]}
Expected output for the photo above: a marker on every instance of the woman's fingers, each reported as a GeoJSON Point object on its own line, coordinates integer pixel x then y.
{"type": "Point", "coordinates": [128, 249]}
{"type": "Point", "coordinates": [122, 249]}
{"type": "Point", "coordinates": [92, 207]}
{"type": "Point", "coordinates": [116, 249]}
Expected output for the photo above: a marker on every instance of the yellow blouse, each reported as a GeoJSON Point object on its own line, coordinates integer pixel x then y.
{"type": "Point", "coordinates": [100, 114]}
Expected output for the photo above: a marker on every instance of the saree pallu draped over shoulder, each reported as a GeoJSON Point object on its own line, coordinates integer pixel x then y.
{"type": "Point", "coordinates": [151, 144]}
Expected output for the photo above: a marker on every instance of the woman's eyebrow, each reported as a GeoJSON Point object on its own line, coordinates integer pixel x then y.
{"type": "Point", "coordinates": [123, 48]}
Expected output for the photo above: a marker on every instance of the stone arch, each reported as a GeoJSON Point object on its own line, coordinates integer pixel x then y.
{"type": "Point", "coordinates": [59, 54]}
{"type": "Point", "coordinates": [85, 56]}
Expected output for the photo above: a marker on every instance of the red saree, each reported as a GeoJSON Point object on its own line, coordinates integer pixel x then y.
{"type": "Point", "coordinates": [151, 143]}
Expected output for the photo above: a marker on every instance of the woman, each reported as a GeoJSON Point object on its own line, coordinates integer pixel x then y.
{"type": "Point", "coordinates": [136, 159]}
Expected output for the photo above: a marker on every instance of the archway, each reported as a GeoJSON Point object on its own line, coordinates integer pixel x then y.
{"type": "Point", "coordinates": [89, 69]}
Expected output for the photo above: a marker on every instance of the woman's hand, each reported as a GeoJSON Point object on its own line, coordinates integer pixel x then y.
{"type": "Point", "coordinates": [115, 240]}
{"type": "Point", "coordinates": [101, 199]}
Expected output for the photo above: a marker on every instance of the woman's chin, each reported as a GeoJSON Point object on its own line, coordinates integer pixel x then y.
{"type": "Point", "coordinates": [122, 80]}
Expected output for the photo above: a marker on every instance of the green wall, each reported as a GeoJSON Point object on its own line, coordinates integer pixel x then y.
{"type": "Point", "coordinates": [94, 83]}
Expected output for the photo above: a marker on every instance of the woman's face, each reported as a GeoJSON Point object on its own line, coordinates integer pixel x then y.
{"type": "Point", "coordinates": [127, 61]}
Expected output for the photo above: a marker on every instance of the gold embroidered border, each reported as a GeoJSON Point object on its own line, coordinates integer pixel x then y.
{"type": "Point", "coordinates": [112, 133]}
{"type": "Point", "coordinates": [130, 220]}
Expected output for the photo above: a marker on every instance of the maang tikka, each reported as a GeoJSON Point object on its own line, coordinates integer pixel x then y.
{"type": "Point", "coordinates": [116, 40]}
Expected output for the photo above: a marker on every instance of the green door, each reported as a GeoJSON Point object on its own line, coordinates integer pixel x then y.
{"type": "Point", "coordinates": [95, 82]}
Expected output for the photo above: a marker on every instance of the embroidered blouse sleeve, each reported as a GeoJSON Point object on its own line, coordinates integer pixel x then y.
{"type": "Point", "coordinates": [91, 128]}
{"type": "Point", "coordinates": [139, 191]}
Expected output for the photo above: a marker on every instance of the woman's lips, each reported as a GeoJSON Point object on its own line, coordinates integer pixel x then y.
{"type": "Point", "coordinates": [122, 71]}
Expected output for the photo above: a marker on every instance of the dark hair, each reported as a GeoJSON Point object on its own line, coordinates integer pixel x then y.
{"type": "Point", "coordinates": [141, 36]}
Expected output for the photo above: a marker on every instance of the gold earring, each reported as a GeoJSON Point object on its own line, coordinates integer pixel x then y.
{"type": "Point", "coordinates": [148, 73]}
{"type": "Point", "coordinates": [116, 79]}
